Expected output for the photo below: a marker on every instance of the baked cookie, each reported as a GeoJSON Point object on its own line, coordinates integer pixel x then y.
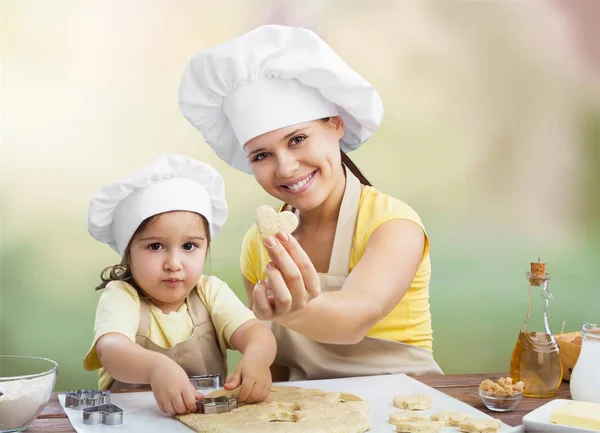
{"type": "Point", "coordinates": [452, 418]}
{"type": "Point", "coordinates": [479, 425]}
{"type": "Point", "coordinates": [269, 222]}
{"type": "Point", "coordinates": [406, 416]}
{"type": "Point", "coordinates": [413, 402]}
{"type": "Point", "coordinates": [420, 426]}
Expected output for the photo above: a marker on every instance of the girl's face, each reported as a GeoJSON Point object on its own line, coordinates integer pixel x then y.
{"type": "Point", "coordinates": [167, 257]}
{"type": "Point", "coordinates": [299, 164]}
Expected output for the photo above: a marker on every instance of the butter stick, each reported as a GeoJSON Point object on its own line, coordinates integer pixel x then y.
{"type": "Point", "coordinates": [578, 414]}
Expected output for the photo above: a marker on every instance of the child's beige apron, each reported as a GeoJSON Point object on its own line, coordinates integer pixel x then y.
{"type": "Point", "coordinates": [199, 354]}
{"type": "Point", "coordinates": [308, 359]}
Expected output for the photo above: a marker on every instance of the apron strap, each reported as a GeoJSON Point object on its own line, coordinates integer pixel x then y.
{"type": "Point", "coordinates": [339, 263]}
{"type": "Point", "coordinates": [196, 308]}
{"type": "Point", "coordinates": [144, 325]}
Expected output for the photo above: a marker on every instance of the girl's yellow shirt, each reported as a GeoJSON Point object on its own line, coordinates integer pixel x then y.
{"type": "Point", "coordinates": [118, 311]}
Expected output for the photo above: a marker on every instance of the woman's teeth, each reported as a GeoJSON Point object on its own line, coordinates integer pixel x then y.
{"type": "Point", "coordinates": [300, 184]}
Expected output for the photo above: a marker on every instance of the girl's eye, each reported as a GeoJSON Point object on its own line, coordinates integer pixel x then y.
{"type": "Point", "coordinates": [260, 156]}
{"type": "Point", "coordinates": [297, 139]}
{"type": "Point", "coordinates": [156, 246]}
{"type": "Point", "coordinates": [190, 246]}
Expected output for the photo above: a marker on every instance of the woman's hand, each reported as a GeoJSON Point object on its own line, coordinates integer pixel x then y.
{"type": "Point", "coordinates": [292, 280]}
{"type": "Point", "coordinates": [371, 291]}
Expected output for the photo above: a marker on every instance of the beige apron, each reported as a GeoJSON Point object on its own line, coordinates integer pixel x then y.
{"type": "Point", "coordinates": [199, 354]}
{"type": "Point", "coordinates": [308, 359]}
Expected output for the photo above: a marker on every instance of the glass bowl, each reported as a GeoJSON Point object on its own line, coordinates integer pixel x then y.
{"type": "Point", "coordinates": [499, 403]}
{"type": "Point", "coordinates": [26, 383]}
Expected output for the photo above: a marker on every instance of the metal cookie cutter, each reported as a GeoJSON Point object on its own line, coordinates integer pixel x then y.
{"type": "Point", "coordinates": [108, 414]}
{"type": "Point", "coordinates": [83, 398]}
{"type": "Point", "coordinates": [206, 381]}
{"type": "Point", "coordinates": [216, 405]}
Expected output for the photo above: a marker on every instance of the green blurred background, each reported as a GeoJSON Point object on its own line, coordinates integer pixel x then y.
{"type": "Point", "coordinates": [491, 132]}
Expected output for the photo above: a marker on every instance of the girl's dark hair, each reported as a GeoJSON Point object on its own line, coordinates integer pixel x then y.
{"type": "Point", "coordinates": [122, 271]}
{"type": "Point", "coordinates": [351, 166]}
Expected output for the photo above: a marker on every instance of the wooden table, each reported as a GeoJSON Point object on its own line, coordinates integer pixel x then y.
{"type": "Point", "coordinates": [462, 387]}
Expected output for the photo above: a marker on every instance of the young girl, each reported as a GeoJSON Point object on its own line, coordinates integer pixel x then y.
{"type": "Point", "coordinates": [279, 103]}
{"type": "Point", "coordinates": [160, 319]}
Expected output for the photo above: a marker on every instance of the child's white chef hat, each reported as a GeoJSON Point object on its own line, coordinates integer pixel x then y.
{"type": "Point", "coordinates": [273, 77]}
{"type": "Point", "coordinates": [169, 183]}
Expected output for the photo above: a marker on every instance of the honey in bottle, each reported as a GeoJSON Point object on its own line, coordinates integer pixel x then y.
{"type": "Point", "coordinates": [536, 359]}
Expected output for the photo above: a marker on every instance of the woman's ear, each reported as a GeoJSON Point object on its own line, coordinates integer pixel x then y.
{"type": "Point", "coordinates": [338, 124]}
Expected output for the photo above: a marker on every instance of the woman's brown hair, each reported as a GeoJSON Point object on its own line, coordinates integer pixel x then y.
{"type": "Point", "coordinates": [351, 166]}
{"type": "Point", "coordinates": [122, 271]}
{"type": "Point", "coordinates": [354, 169]}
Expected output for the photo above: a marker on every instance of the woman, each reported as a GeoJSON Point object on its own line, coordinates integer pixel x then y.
{"type": "Point", "coordinates": [348, 293]}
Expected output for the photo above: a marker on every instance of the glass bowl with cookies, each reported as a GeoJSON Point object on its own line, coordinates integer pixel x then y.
{"type": "Point", "coordinates": [500, 396]}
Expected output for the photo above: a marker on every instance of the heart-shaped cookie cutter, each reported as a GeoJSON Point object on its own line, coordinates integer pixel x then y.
{"type": "Point", "coordinates": [108, 414]}
{"type": "Point", "coordinates": [83, 398]}
{"type": "Point", "coordinates": [216, 405]}
{"type": "Point", "coordinates": [206, 381]}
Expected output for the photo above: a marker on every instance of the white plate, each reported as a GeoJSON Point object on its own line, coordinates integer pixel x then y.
{"type": "Point", "coordinates": [141, 414]}
{"type": "Point", "coordinates": [538, 420]}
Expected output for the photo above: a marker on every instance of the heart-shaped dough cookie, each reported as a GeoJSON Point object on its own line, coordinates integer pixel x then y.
{"type": "Point", "coordinates": [270, 223]}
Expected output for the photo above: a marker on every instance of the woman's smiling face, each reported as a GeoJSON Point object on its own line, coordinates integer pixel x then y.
{"type": "Point", "coordinates": [298, 164]}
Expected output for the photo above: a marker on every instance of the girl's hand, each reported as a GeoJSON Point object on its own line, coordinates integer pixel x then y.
{"type": "Point", "coordinates": [172, 389]}
{"type": "Point", "coordinates": [254, 378]}
{"type": "Point", "coordinates": [292, 280]}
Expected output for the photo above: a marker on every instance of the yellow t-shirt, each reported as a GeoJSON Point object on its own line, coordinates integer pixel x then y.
{"type": "Point", "coordinates": [410, 321]}
{"type": "Point", "coordinates": [118, 311]}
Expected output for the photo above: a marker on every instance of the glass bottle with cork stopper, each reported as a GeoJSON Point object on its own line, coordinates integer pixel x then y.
{"type": "Point", "coordinates": [536, 359]}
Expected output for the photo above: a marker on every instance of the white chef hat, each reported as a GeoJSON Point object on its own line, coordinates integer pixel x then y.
{"type": "Point", "coordinates": [273, 77]}
{"type": "Point", "coordinates": [169, 183]}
